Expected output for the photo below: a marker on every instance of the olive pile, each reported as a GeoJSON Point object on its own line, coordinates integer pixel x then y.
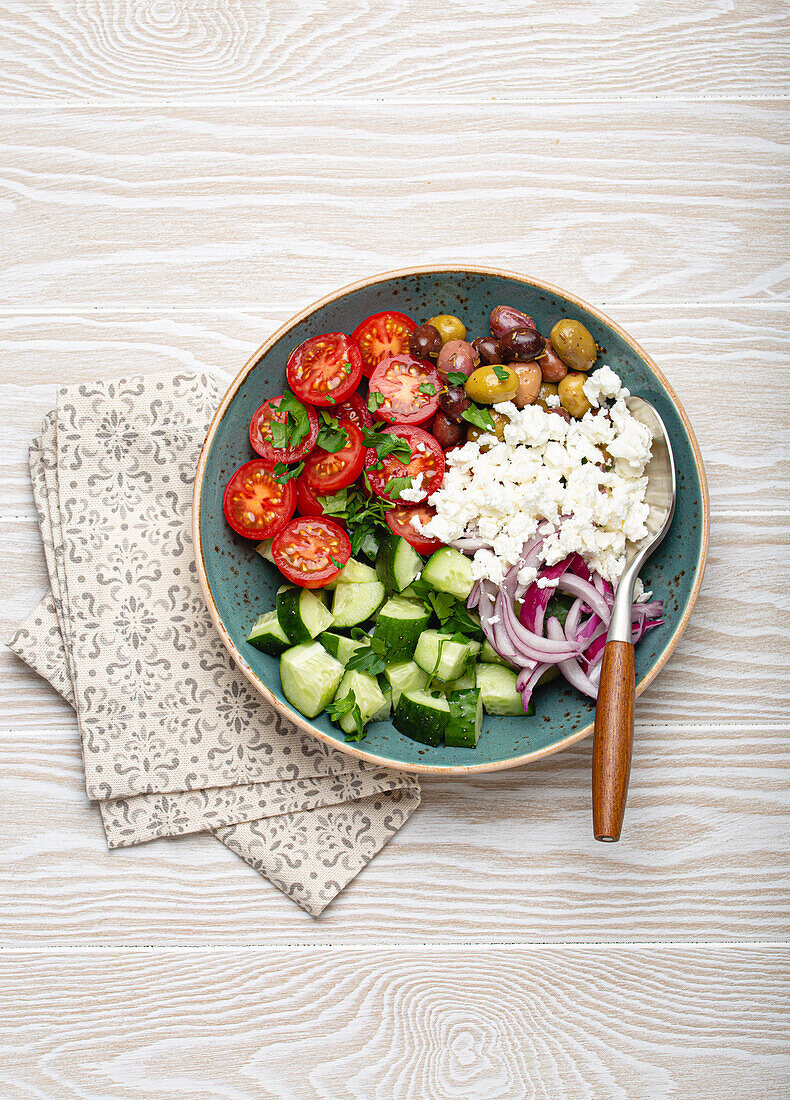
{"type": "Point", "coordinates": [515, 363]}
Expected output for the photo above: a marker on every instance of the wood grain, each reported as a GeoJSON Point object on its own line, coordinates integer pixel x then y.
{"type": "Point", "coordinates": [709, 353]}
{"type": "Point", "coordinates": [404, 49]}
{"type": "Point", "coordinates": [535, 1022]}
{"type": "Point", "coordinates": [227, 205]}
{"type": "Point", "coordinates": [613, 739]}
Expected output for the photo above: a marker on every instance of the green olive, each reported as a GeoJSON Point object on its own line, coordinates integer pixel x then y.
{"type": "Point", "coordinates": [572, 396]}
{"type": "Point", "coordinates": [499, 429]}
{"type": "Point", "coordinates": [491, 384]}
{"type": "Point", "coordinates": [548, 389]}
{"type": "Point", "coordinates": [448, 327]}
{"type": "Point", "coordinates": [574, 344]}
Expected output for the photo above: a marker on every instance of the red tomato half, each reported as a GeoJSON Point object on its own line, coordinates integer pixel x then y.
{"type": "Point", "coordinates": [324, 370]}
{"type": "Point", "coordinates": [311, 551]}
{"type": "Point", "coordinates": [260, 433]}
{"type": "Point", "coordinates": [325, 472]}
{"type": "Point", "coordinates": [399, 521]}
{"type": "Point", "coordinates": [354, 410]}
{"type": "Point", "coordinates": [256, 505]}
{"type": "Point", "coordinates": [307, 502]}
{"type": "Point", "coordinates": [382, 335]}
{"type": "Point", "coordinates": [427, 458]}
{"type": "Point", "coordinates": [409, 390]}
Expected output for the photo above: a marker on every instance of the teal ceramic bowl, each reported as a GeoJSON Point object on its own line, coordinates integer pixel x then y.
{"type": "Point", "coordinates": [239, 584]}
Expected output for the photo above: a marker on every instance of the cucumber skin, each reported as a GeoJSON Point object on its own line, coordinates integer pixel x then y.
{"type": "Point", "coordinates": [410, 719]}
{"type": "Point", "coordinates": [393, 547]}
{"type": "Point", "coordinates": [402, 635]}
{"type": "Point", "coordinates": [289, 614]}
{"type": "Point", "coordinates": [335, 644]}
{"type": "Point", "coordinates": [463, 727]}
{"type": "Point", "coordinates": [418, 675]}
{"type": "Point", "coordinates": [270, 643]}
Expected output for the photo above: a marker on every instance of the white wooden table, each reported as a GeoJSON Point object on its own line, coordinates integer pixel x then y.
{"type": "Point", "coordinates": [176, 179]}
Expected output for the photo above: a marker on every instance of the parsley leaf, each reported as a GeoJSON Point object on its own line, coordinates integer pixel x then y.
{"type": "Point", "coordinates": [428, 388]}
{"type": "Point", "coordinates": [456, 378]}
{"type": "Point", "coordinates": [375, 400]}
{"type": "Point", "coordinates": [500, 372]}
{"type": "Point", "coordinates": [387, 443]}
{"type": "Point", "coordinates": [364, 514]}
{"type": "Point", "coordinates": [290, 429]}
{"type": "Point", "coordinates": [370, 658]}
{"type": "Point", "coordinates": [332, 438]}
{"type": "Point", "coordinates": [337, 564]}
{"type": "Point", "coordinates": [346, 367]}
{"type": "Point", "coordinates": [283, 473]}
{"type": "Point", "coordinates": [335, 504]}
{"type": "Point", "coordinates": [451, 613]}
{"type": "Point", "coordinates": [480, 418]}
{"type": "Point", "coordinates": [347, 705]}
{"type": "Point", "coordinates": [396, 485]}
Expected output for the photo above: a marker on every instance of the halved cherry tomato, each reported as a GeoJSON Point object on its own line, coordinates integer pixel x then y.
{"type": "Point", "coordinates": [354, 410]}
{"type": "Point", "coordinates": [427, 458]}
{"type": "Point", "coordinates": [311, 551]}
{"type": "Point", "coordinates": [382, 335]}
{"type": "Point", "coordinates": [399, 520]}
{"type": "Point", "coordinates": [260, 433]}
{"type": "Point", "coordinates": [324, 370]}
{"type": "Point", "coordinates": [307, 502]}
{"type": "Point", "coordinates": [325, 472]}
{"type": "Point", "coordinates": [255, 505]}
{"type": "Point", "coordinates": [409, 390]}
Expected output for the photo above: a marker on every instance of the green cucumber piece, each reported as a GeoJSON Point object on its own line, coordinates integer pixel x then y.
{"type": "Point", "coordinates": [268, 636]}
{"type": "Point", "coordinates": [302, 613]}
{"type": "Point", "coordinates": [489, 656]}
{"type": "Point", "coordinates": [440, 656]}
{"type": "Point", "coordinates": [354, 572]}
{"type": "Point", "coordinates": [369, 546]}
{"type": "Point", "coordinates": [397, 563]}
{"type": "Point", "coordinates": [550, 674]}
{"type": "Point", "coordinates": [422, 717]}
{"type": "Point", "coordinates": [367, 695]}
{"type": "Point", "coordinates": [404, 676]}
{"type": "Point", "coordinates": [466, 718]}
{"type": "Point", "coordinates": [498, 690]}
{"type": "Point", "coordinates": [384, 710]}
{"type": "Point", "coordinates": [448, 570]}
{"type": "Point", "coordinates": [399, 625]}
{"type": "Point", "coordinates": [265, 550]}
{"type": "Point", "coordinates": [342, 649]}
{"type": "Point", "coordinates": [465, 680]}
{"type": "Point", "coordinates": [309, 677]}
{"type": "Point", "coordinates": [354, 603]}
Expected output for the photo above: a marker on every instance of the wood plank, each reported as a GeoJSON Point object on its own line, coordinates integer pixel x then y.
{"type": "Point", "coordinates": [227, 51]}
{"type": "Point", "coordinates": [500, 857]}
{"type": "Point", "coordinates": [690, 342]}
{"type": "Point", "coordinates": [521, 1021]}
{"type": "Point", "coordinates": [723, 671]}
{"type": "Point", "coordinates": [623, 200]}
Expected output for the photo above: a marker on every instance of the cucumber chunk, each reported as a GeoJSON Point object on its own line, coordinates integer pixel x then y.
{"type": "Point", "coordinates": [466, 718]}
{"type": "Point", "coordinates": [353, 603]}
{"type": "Point", "coordinates": [404, 676]}
{"type": "Point", "coordinates": [440, 656]}
{"type": "Point", "coordinates": [489, 656]}
{"type": "Point", "coordinates": [464, 681]}
{"type": "Point", "coordinates": [400, 624]}
{"type": "Point", "coordinates": [498, 690]}
{"type": "Point", "coordinates": [422, 717]}
{"type": "Point", "coordinates": [265, 550]}
{"type": "Point", "coordinates": [367, 695]}
{"type": "Point", "coordinates": [354, 572]}
{"type": "Point", "coordinates": [268, 636]}
{"type": "Point", "coordinates": [397, 563]}
{"type": "Point", "coordinates": [448, 570]}
{"type": "Point", "coordinates": [342, 649]}
{"type": "Point", "coordinates": [384, 710]}
{"type": "Point", "coordinates": [309, 677]}
{"type": "Point", "coordinates": [302, 613]}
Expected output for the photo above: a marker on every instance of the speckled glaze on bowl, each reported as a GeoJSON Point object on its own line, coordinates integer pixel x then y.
{"type": "Point", "coordinates": [239, 584]}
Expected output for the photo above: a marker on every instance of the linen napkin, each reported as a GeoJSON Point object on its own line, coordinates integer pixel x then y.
{"type": "Point", "coordinates": [174, 739]}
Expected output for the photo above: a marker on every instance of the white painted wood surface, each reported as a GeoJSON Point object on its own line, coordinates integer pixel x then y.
{"type": "Point", "coordinates": [176, 179]}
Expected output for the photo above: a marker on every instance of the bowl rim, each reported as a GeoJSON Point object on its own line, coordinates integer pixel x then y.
{"type": "Point", "coordinates": [351, 747]}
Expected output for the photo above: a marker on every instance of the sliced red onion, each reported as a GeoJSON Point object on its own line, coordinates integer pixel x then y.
{"type": "Point", "coordinates": [573, 620]}
{"type": "Point", "coordinates": [474, 596]}
{"type": "Point", "coordinates": [470, 544]}
{"type": "Point", "coordinates": [532, 646]}
{"type": "Point", "coordinates": [571, 669]}
{"type": "Point", "coordinates": [533, 609]}
{"type": "Point", "coordinates": [527, 680]}
{"type": "Point", "coordinates": [588, 592]}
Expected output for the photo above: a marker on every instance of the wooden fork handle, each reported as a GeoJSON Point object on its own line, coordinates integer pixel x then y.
{"type": "Point", "coordinates": [613, 740]}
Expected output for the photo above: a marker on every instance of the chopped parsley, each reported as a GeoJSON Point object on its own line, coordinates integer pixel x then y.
{"type": "Point", "coordinates": [480, 418]}
{"type": "Point", "coordinates": [456, 378]}
{"type": "Point", "coordinates": [371, 657]}
{"type": "Point", "coordinates": [337, 564]}
{"type": "Point", "coordinates": [294, 428]}
{"type": "Point", "coordinates": [346, 367]}
{"type": "Point", "coordinates": [364, 515]}
{"type": "Point", "coordinates": [375, 400]}
{"type": "Point", "coordinates": [387, 443]}
{"type": "Point", "coordinates": [347, 705]}
{"type": "Point", "coordinates": [501, 372]}
{"type": "Point", "coordinates": [396, 485]}
{"type": "Point", "coordinates": [332, 436]}
{"type": "Point", "coordinates": [428, 389]}
{"type": "Point", "coordinates": [283, 473]}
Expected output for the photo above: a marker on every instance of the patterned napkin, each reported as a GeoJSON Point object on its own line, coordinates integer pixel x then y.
{"type": "Point", "coordinates": [174, 739]}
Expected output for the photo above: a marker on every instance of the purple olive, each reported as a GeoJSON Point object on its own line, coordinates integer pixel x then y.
{"type": "Point", "coordinates": [457, 355]}
{"type": "Point", "coordinates": [554, 370]}
{"type": "Point", "coordinates": [521, 344]}
{"type": "Point", "coordinates": [446, 432]}
{"type": "Point", "coordinates": [506, 318]}
{"type": "Point", "coordinates": [425, 342]}
{"type": "Point", "coordinates": [454, 402]}
{"type": "Point", "coordinates": [487, 347]}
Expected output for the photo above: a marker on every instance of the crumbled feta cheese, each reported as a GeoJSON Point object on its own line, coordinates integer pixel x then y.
{"type": "Point", "coordinates": [553, 400]}
{"type": "Point", "coordinates": [579, 485]}
{"type": "Point", "coordinates": [603, 383]}
{"type": "Point", "coordinates": [547, 582]}
{"type": "Point", "coordinates": [415, 492]}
